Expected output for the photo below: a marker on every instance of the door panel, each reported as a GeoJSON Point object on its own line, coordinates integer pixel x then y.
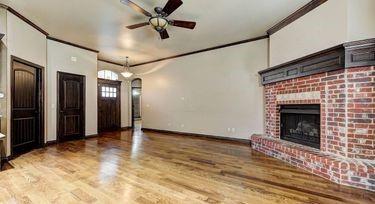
{"type": "Point", "coordinates": [26, 122]}
{"type": "Point", "coordinates": [109, 105]}
{"type": "Point", "coordinates": [71, 111]}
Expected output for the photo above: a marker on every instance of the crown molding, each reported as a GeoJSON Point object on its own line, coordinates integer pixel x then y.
{"type": "Point", "coordinates": [291, 18]}
{"type": "Point", "coordinates": [296, 15]}
{"type": "Point", "coordinates": [71, 44]}
{"type": "Point", "coordinates": [23, 18]}
{"type": "Point", "coordinates": [204, 50]}
{"type": "Point", "coordinates": [110, 62]}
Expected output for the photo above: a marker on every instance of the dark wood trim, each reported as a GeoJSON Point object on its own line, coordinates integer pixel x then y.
{"type": "Point", "coordinates": [110, 62]}
{"type": "Point", "coordinates": [91, 136]}
{"type": "Point", "coordinates": [344, 56]}
{"type": "Point", "coordinates": [5, 162]}
{"type": "Point", "coordinates": [203, 50]}
{"type": "Point", "coordinates": [54, 142]}
{"type": "Point", "coordinates": [23, 18]}
{"type": "Point", "coordinates": [41, 98]}
{"type": "Point", "coordinates": [202, 136]}
{"type": "Point", "coordinates": [296, 15]}
{"type": "Point", "coordinates": [26, 20]}
{"type": "Point", "coordinates": [50, 143]}
{"type": "Point", "coordinates": [360, 53]}
{"type": "Point", "coordinates": [58, 104]}
{"type": "Point", "coordinates": [71, 44]}
{"type": "Point", "coordinates": [114, 82]}
{"type": "Point", "coordinates": [327, 60]}
{"type": "Point", "coordinates": [14, 58]}
{"type": "Point", "coordinates": [126, 128]}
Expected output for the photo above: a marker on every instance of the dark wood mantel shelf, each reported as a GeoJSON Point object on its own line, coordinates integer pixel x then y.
{"type": "Point", "coordinates": [347, 55]}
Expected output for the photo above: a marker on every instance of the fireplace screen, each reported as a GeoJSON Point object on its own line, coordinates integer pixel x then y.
{"type": "Point", "coordinates": [301, 124]}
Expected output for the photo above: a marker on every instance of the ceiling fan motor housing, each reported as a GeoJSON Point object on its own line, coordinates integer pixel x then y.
{"type": "Point", "coordinates": [160, 11]}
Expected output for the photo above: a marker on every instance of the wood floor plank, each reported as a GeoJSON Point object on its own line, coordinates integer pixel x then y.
{"type": "Point", "coordinates": [137, 167]}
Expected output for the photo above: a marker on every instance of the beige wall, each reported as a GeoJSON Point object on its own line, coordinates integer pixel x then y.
{"type": "Point", "coordinates": [206, 93]}
{"type": "Point", "coordinates": [125, 90]}
{"type": "Point", "coordinates": [59, 59]}
{"type": "Point", "coordinates": [3, 75]}
{"type": "Point", "coordinates": [361, 19]}
{"type": "Point", "coordinates": [322, 28]}
{"type": "Point", "coordinates": [25, 42]}
{"type": "Point", "coordinates": [331, 24]}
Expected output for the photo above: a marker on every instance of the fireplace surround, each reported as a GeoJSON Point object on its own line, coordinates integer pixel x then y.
{"type": "Point", "coordinates": [301, 124]}
{"type": "Point", "coordinates": [341, 81]}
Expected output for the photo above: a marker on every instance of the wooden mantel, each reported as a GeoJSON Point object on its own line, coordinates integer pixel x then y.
{"type": "Point", "coordinates": [347, 55]}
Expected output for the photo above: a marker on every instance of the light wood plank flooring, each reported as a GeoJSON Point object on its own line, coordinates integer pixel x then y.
{"type": "Point", "coordinates": [126, 167]}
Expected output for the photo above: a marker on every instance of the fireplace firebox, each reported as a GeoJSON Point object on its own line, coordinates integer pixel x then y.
{"type": "Point", "coordinates": [301, 124]}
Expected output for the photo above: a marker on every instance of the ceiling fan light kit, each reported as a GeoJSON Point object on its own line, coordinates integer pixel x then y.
{"type": "Point", "coordinates": [160, 22]}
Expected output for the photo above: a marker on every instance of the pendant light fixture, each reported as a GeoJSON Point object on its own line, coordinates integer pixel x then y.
{"type": "Point", "coordinates": [127, 73]}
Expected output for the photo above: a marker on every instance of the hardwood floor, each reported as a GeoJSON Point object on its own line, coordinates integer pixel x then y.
{"type": "Point", "coordinates": [123, 167]}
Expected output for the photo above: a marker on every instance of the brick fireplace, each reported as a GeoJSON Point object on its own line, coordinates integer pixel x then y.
{"type": "Point", "coordinates": [341, 82]}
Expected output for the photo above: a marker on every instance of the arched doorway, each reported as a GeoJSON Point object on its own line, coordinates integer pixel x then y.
{"type": "Point", "coordinates": [136, 96]}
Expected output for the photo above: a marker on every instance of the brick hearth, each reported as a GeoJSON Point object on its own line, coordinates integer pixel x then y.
{"type": "Point", "coordinates": [347, 101]}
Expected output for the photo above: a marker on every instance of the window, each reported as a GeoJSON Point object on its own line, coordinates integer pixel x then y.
{"type": "Point", "coordinates": [109, 92]}
{"type": "Point", "coordinates": [106, 74]}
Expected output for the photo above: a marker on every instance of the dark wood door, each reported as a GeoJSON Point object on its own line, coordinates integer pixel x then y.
{"type": "Point", "coordinates": [26, 107]}
{"type": "Point", "coordinates": [71, 106]}
{"type": "Point", "coordinates": [109, 105]}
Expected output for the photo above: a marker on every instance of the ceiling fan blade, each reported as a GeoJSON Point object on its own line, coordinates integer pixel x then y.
{"type": "Point", "coordinates": [136, 7]}
{"type": "Point", "coordinates": [137, 25]}
{"type": "Point", "coordinates": [171, 6]}
{"type": "Point", "coordinates": [164, 34]}
{"type": "Point", "coordinates": [184, 24]}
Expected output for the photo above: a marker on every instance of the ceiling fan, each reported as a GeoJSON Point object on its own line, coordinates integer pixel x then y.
{"type": "Point", "coordinates": [160, 21]}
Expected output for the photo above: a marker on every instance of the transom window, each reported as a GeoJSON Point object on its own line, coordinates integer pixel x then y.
{"type": "Point", "coordinates": [109, 92]}
{"type": "Point", "coordinates": [107, 74]}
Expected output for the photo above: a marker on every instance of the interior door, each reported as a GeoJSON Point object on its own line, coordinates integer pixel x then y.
{"type": "Point", "coordinates": [26, 107]}
{"type": "Point", "coordinates": [71, 106]}
{"type": "Point", "coordinates": [109, 105]}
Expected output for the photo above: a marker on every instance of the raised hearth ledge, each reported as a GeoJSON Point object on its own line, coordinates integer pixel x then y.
{"type": "Point", "coordinates": [341, 170]}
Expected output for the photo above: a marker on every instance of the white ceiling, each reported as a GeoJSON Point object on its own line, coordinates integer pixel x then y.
{"type": "Point", "coordinates": [100, 24]}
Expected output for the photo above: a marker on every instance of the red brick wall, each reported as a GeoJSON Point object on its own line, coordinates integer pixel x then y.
{"type": "Point", "coordinates": [361, 112]}
{"type": "Point", "coordinates": [347, 99]}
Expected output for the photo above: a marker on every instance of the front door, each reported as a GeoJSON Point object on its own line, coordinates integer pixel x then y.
{"type": "Point", "coordinates": [71, 106]}
{"type": "Point", "coordinates": [109, 105]}
{"type": "Point", "coordinates": [26, 106]}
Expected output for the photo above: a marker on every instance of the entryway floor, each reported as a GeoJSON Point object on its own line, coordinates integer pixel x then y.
{"type": "Point", "coordinates": [147, 167]}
